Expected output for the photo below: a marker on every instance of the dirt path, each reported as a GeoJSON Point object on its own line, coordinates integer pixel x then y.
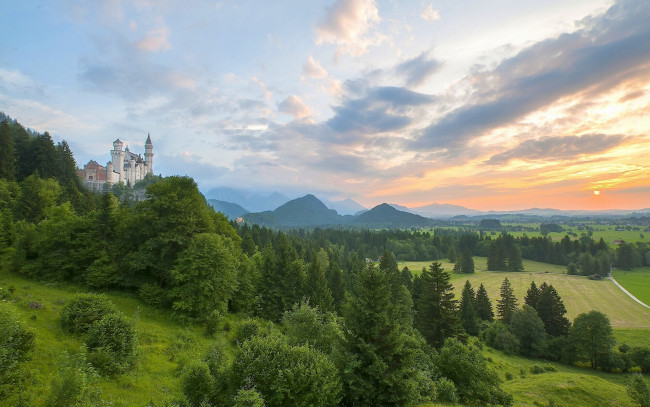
{"type": "Point", "coordinates": [628, 293]}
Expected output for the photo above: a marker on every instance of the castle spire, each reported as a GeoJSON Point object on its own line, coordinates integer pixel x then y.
{"type": "Point", "coordinates": [148, 142]}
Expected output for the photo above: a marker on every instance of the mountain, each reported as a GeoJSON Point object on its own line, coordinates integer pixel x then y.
{"type": "Point", "coordinates": [401, 208]}
{"type": "Point", "coordinates": [231, 210]}
{"type": "Point", "coordinates": [386, 216]}
{"type": "Point", "coordinates": [437, 210]}
{"type": "Point", "coordinates": [345, 207]}
{"type": "Point", "coordinates": [305, 211]}
{"type": "Point", "coordinates": [254, 201]}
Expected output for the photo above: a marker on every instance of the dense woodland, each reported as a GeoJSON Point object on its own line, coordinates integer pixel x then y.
{"type": "Point", "coordinates": [347, 327]}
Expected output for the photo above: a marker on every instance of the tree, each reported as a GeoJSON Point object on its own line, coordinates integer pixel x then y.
{"type": "Point", "coordinates": [379, 352]}
{"type": "Point", "coordinates": [468, 314]}
{"type": "Point", "coordinates": [625, 256]}
{"type": "Point", "coordinates": [638, 391]}
{"type": "Point", "coordinates": [112, 344]}
{"type": "Point", "coordinates": [483, 304]}
{"type": "Point", "coordinates": [307, 325]}
{"type": "Point", "coordinates": [532, 295]}
{"type": "Point", "coordinates": [529, 329]}
{"type": "Point", "coordinates": [7, 157]}
{"type": "Point", "coordinates": [317, 287]}
{"type": "Point", "coordinates": [507, 304]}
{"type": "Point", "coordinates": [591, 336]}
{"type": "Point", "coordinates": [552, 312]}
{"type": "Point", "coordinates": [496, 259]}
{"type": "Point", "coordinates": [437, 317]}
{"type": "Point", "coordinates": [465, 263]}
{"type": "Point", "coordinates": [403, 310]}
{"type": "Point", "coordinates": [83, 310]}
{"type": "Point", "coordinates": [205, 276]}
{"type": "Point", "coordinates": [514, 260]}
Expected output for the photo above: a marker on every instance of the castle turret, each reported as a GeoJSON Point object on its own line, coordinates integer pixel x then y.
{"type": "Point", "coordinates": [148, 155]}
{"type": "Point", "coordinates": [118, 160]}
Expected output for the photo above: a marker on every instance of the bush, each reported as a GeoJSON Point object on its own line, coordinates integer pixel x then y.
{"type": "Point", "coordinates": [102, 273]}
{"type": "Point", "coordinates": [197, 383]}
{"type": "Point", "coordinates": [641, 357]}
{"type": "Point", "coordinates": [16, 346]}
{"type": "Point", "coordinates": [112, 344]}
{"type": "Point", "coordinates": [446, 391]}
{"type": "Point", "coordinates": [153, 295]}
{"type": "Point", "coordinates": [71, 385]}
{"type": "Point", "coordinates": [83, 310]}
{"type": "Point", "coordinates": [638, 391]}
{"type": "Point", "coordinates": [248, 398]}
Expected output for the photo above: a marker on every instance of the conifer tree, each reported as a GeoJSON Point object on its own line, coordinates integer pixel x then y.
{"type": "Point", "coordinates": [465, 262]}
{"type": "Point", "coordinates": [318, 289]}
{"type": "Point", "coordinates": [379, 351]}
{"type": "Point", "coordinates": [400, 294]}
{"type": "Point", "coordinates": [483, 304]}
{"type": "Point", "coordinates": [437, 317]}
{"type": "Point", "coordinates": [532, 295]}
{"type": "Point", "coordinates": [7, 158]}
{"type": "Point", "coordinates": [514, 260]}
{"type": "Point", "coordinates": [468, 314]}
{"type": "Point", "coordinates": [336, 283]}
{"type": "Point", "coordinates": [552, 312]}
{"type": "Point", "coordinates": [507, 304]}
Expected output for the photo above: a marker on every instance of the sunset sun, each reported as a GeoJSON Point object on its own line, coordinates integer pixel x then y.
{"type": "Point", "coordinates": [596, 193]}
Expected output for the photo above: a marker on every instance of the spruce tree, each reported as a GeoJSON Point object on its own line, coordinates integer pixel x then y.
{"type": "Point", "coordinates": [468, 314]}
{"type": "Point", "coordinates": [532, 295]}
{"type": "Point", "coordinates": [483, 305]}
{"type": "Point", "coordinates": [437, 317]}
{"type": "Point", "coordinates": [514, 260]}
{"type": "Point", "coordinates": [552, 312]}
{"type": "Point", "coordinates": [336, 283]}
{"type": "Point", "coordinates": [379, 352]}
{"type": "Point", "coordinates": [507, 304]}
{"type": "Point", "coordinates": [400, 294]}
{"type": "Point", "coordinates": [7, 158]}
{"type": "Point", "coordinates": [318, 289]}
{"type": "Point", "coordinates": [465, 262]}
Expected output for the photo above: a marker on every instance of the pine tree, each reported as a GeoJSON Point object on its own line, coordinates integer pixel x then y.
{"type": "Point", "coordinates": [7, 158]}
{"type": "Point", "coordinates": [496, 259]}
{"type": "Point", "coordinates": [379, 353]}
{"type": "Point", "coordinates": [437, 317]}
{"type": "Point", "coordinates": [532, 295]}
{"type": "Point", "coordinates": [507, 304]}
{"type": "Point", "coordinates": [400, 294]}
{"type": "Point", "coordinates": [483, 304]}
{"type": "Point", "coordinates": [468, 314]}
{"type": "Point", "coordinates": [514, 260]}
{"type": "Point", "coordinates": [318, 289]}
{"type": "Point", "coordinates": [465, 262]}
{"type": "Point", "coordinates": [336, 283]}
{"type": "Point", "coordinates": [552, 312]}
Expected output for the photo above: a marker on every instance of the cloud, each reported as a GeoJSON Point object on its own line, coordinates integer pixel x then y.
{"type": "Point", "coordinates": [606, 51]}
{"type": "Point", "coordinates": [347, 24]}
{"type": "Point", "coordinates": [267, 93]}
{"type": "Point", "coordinates": [417, 70]}
{"type": "Point", "coordinates": [558, 148]}
{"type": "Point", "coordinates": [312, 69]}
{"type": "Point", "coordinates": [294, 106]}
{"type": "Point", "coordinates": [377, 110]}
{"type": "Point", "coordinates": [154, 40]}
{"type": "Point", "coordinates": [430, 14]}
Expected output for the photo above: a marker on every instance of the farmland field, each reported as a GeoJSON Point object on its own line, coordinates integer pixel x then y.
{"type": "Point", "coordinates": [636, 281]}
{"type": "Point", "coordinates": [578, 293]}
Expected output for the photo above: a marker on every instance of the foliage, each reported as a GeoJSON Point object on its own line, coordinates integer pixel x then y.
{"type": "Point", "coordinates": [591, 337]}
{"type": "Point", "coordinates": [306, 325]}
{"type": "Point", "coordinates": [466, 367]}
{"type": "Point", "coordinates": [73, 384]}
{"type": "Point", "coordinates": [437, 317]}
{"type": "Point", "coordinates": [205, 276]}
{"type": "Point", "coordinates": [248, 398]}
{"type": "Point", "coordinates": [284, 374]}
{"type": "Point", "coordinates": [529, 329]}
{"type": "Point", "coordinates": [197, 383]}
{"type": "Point", "coordinates": [79, 314]}
{"type": "Point", "coordinates": [483, 304]}
{"type": "Point", "coordinates": [468, 313]}
{"type": "Point", "coordinates": [498, 336]}
{"type": "Point", "coordinates": [507, 304]}
{"type": "Point", "coordinates": [551, 310]}
{"type": "Point", "coordinates": [112, 343]}
{"type": "Point", "coordinates": [638, 391]}
{"type": "Point", "coordinates": [16, 347]}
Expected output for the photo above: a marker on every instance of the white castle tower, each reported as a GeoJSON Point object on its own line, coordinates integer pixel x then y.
{"type": "Point", "coordinates": [148, 155]}
{"type": "Point", "coordinates": [129, 167]}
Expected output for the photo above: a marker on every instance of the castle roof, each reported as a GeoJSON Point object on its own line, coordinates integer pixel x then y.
{"type": "Point", "coordinates": [148, 140]}
{"type": "Point", "coordinates": [118, 141]}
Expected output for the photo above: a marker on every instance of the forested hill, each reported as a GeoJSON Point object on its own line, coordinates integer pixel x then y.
{"type": "Point", "coordinates": [231, 210]}
{"type": "Point", "coordinates": [309, 211]}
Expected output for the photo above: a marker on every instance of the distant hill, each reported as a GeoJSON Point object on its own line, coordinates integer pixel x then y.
{"type": "Point", "coordinates": [253, 201]}
{"type": "Point", "coordinates": [401, 208]}
{"type": "Point", "coordinates": [305, 211]}
{"type": "Point", "coordinates": [231, 210]}
{"type": "Point", "coordinates": [386, 216]}
{"type": "Point", "coordinates": [437, 210]}
{"type": "Point", "coordinates": [345, 207]}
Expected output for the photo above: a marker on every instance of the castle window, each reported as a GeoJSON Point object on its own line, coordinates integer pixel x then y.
{"type": "Point", "coordinates": [90, 178]}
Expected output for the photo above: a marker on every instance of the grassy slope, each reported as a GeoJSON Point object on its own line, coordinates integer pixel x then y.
{"type": "Point", "coordinates": [636, 281]}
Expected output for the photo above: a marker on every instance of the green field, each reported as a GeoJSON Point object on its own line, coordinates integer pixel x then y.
{"type": "Point", "coordinates": [636, 281]}
{"type": "Point", "coordinates": [578, 293]}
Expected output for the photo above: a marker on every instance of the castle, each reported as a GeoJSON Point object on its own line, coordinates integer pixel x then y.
{"type": "Point", "coordinates": [126, 167]}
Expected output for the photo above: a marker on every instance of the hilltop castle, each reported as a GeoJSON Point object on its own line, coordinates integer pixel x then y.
{"type": "Point", "coordinates": [126, 167]}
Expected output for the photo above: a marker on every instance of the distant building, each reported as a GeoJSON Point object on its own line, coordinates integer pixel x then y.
{"type": "Point", "coordinates": [126, 167]}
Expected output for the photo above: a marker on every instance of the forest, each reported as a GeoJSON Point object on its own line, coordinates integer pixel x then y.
{"type": "Point", "coordinates": [329, 318]}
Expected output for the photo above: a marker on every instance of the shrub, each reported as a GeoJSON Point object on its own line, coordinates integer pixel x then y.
{"type": "Point", "coordinates": [638, 391]}
{"type": "Point", "coordinates": [197, 383]}
{"type": "Point", "coordinates": [102, 273]}
{"type": "Point", "coordinates": [446, 391]}
{"type": "Point", "coordinates": [153, 295]}
{"type": "Point", "coordinates": [71, 385]}
{"type": "Point", "coordinates": [16, 346]}
{"type": "Point", "coordinates": [112, 343]}
{"type": "Point", "coordinates": [248, 398]}
{"type": "Point", "coordinates": [83, 310]}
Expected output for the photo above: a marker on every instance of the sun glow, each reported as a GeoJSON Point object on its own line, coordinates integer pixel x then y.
{"type": "Point", "coordinates": [596, 193]}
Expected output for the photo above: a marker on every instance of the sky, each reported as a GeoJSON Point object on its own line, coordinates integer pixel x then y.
{"type": "Point", "coordinates": [498, 105]}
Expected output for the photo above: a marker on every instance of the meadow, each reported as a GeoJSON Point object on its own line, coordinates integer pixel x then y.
{"type": "Point", "coordinates": [636, 281]}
